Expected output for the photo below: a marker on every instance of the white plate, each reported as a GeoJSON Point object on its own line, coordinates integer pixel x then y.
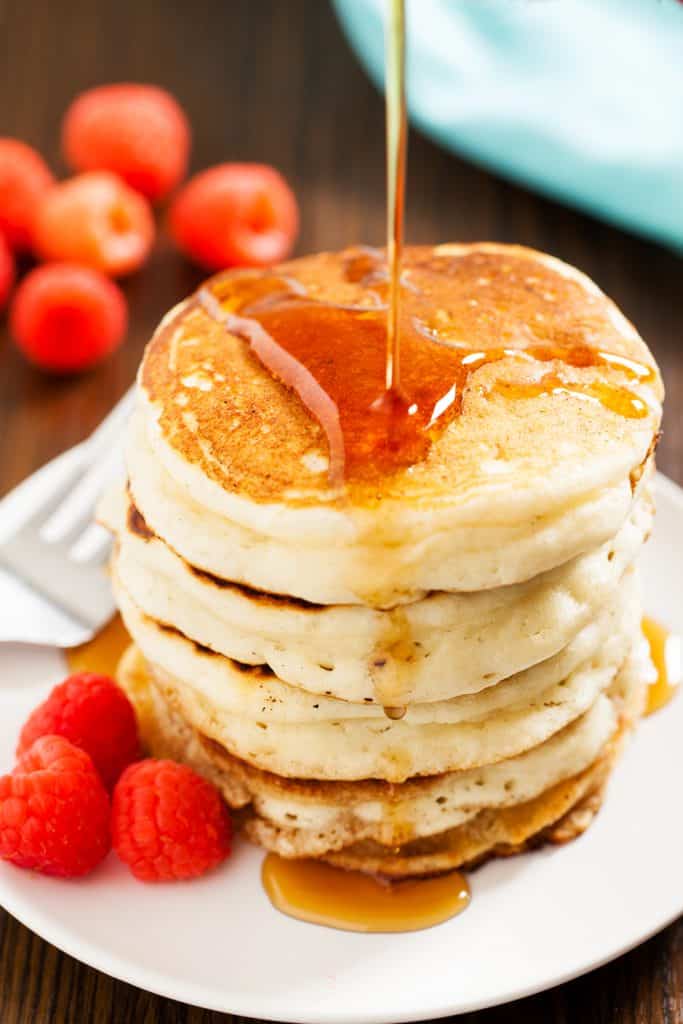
{"type": "Point", "coordinates": [534, 921]}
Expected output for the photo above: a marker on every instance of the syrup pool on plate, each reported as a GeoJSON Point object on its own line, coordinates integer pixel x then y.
{"type": "Point", "coordinates": [665, 651]}
{"type": "Point", "coordinates": [349, 900]}
{"type": "Point", "coordinates": [103, 652]}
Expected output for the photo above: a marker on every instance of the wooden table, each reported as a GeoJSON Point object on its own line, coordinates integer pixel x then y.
{"type": "Point", "coordinates": [273, 80]}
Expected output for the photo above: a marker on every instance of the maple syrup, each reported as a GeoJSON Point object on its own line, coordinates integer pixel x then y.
{"type": "Point", "coordinates": [396, 143]}
{"type": "Point", "coordinates": [103, 653]}
{"type": "Point", "coordinates": [391, 661]}
{"type": "Point", "coordinates": [665, 651]}
{"type": "Point", "coordinates": [334, 357]}
{"type": "Point", "coordinates": [617, 399]}
{"type": "Point", "coordinates": [320, 894]}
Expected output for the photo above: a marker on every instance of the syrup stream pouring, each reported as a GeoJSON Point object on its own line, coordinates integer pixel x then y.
{"type": "Point", "coordinates": [396, 138]}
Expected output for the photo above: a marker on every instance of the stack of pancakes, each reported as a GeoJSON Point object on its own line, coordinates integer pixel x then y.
{"type": "Point", "coordinates": [408, 673]}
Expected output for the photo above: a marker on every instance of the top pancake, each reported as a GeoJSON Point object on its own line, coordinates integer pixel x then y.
{"type": "Point", "coordinates": [244, 445]}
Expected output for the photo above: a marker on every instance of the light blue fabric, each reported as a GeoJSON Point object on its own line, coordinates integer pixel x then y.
{"type": "Point", "coordinates": [580, 99]}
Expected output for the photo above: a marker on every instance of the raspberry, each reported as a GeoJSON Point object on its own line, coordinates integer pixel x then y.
{"type": "Point", "coordinates": [54, 811]}
{"type": "Point", "coordinates": [138, 131]}
{"type": "Point", "coordinates": [168, 823]}
{"type": "Point", "coordinates": [97, 220]}
{"type": "Point", "coordinates": [6, 271]}
{"type": "Point", "coordinates": [67, 318]}
{"type": "Point", "coordinates": [94, 714]}
{"type": "Point", "coordinates": [235, 215]}
{"type": "Point", "coordinates": [24, 179]}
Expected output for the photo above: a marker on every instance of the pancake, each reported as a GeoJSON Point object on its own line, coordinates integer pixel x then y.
{"type": "Point", "coordinates": [283, 729]}
{"type": "Point", "coordinates": [559, 815]}
{"type": "Point", "coordinates": [229, 468]}
{"type": "Point", "coordinates": [452, 644]}
{"type": "Point", "coordinates": [468, 556]}
{"type": "Point", "coordinates": [421, 825]}
{"type": "Point", "coordinates": [398, 644]}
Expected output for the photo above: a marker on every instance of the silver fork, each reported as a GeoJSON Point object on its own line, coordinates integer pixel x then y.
{"type": "Point", "coordinates": [57, 549]}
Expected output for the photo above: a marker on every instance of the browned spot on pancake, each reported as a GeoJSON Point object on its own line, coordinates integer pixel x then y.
{"type": "Point", "coordinates": [165, 627]}
{"type": "Point", "coordinates": [137, 524]}
{"type": "Point", "coordinates": [263, 671]}
{"type": "Point", "coordinates": [636, 474]}
{"type": "Point", "coordinates": [262, 597]}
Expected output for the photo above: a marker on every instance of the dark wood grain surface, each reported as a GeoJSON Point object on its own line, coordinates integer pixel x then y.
{"type": "Point", "coordinates": [273, 80]}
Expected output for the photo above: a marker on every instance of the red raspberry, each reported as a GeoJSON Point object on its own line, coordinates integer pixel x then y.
{"type": "Point", "coordinates": [6, 271]}
{"type": "Point", "coordinates": [54, 811]}
{"type": "Point", "coordinates": [96, 220]}
{"type": "Point", "coordinates": [235, 215]}
{"type": "Point", "coordinates": [95, 715]}
{"type": "Point", "coordinates": [67, 318]}
{"type": "Point", "coordinates": [138, 131]}
{"type": "Point", "coordinates": [168, 823]}
{"type": "Point", "coordinates": [24, 179]}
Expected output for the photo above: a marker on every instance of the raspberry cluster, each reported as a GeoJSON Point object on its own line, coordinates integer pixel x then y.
{"type": "Point", "coordinates": [164, 820]}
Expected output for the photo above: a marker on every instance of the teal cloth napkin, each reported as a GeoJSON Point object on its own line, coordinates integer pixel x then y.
{"type": "Point", "coordinates": [580, 99]}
